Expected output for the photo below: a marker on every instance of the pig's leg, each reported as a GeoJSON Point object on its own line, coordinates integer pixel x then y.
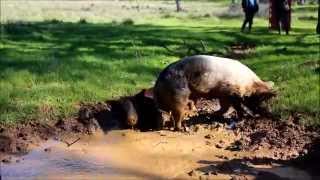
{"type": "Point", "coordinates": [160, 121]}
{"type": "Point", "coordinates": [256, 106]}
{"type": "Point", "coordinates": [237, 104]}
{"type": "Point", "coordinates": [227, 101]}
{"type": "Point", "coordinates": [225, 104]}
{"type": "Point", "coordinates": [179, 110]}
{"type": "Point", "coordinates": [253, 104]}
{"type": "Point", "coordinates": [191, 108]}
{"type": "Point", "coordinates": [178, 115]}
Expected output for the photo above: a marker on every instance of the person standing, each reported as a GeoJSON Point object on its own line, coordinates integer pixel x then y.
{"type": "Point", "coordinates": [250, 8]}
{"type": "Point", "coordinates": [283, 15]}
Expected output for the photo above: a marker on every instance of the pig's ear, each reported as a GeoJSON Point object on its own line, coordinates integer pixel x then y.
{"type": "Point", "coordinates": [148, 93]}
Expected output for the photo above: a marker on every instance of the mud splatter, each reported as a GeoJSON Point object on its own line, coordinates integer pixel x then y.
{"type": "Point", "coordinates": [216, 147]}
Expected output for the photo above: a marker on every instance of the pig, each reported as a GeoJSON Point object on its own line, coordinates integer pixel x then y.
{"type": "Point", "coordinates": [139, 111]}
{"type": "Point", "coordinates": [130, 112]}
{"type": "Point", "coordinates": [190, 78]}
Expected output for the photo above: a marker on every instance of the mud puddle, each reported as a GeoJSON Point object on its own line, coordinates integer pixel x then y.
{"type": "Point", "coordinates": [213, 148]}
{"type": "Point", "coordinates": [128, 154]}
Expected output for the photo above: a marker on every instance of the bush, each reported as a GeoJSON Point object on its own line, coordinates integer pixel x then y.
{"type": "Point", "coordinates": [207, 15]}
{"type": "Point", "coordinates": [114, 22]}
{"type": "Point", "coordinates": [167, 16]}
{"type": "Point", "coordinates": [127, 22]}
{"type": "Point", "coordinates": [83, 21]}
{"type": "Point", "coordinates": [55, 21]}
{"type": "Point", "coordinates": [18, 27]}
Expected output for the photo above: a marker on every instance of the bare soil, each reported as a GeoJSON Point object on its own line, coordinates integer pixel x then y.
{"type": "Point", "coordinates": [19, 140]}
{"type": "Point", "coordinates": [212, 148]}
{"type": "Point", "coordinates": [240, 50]}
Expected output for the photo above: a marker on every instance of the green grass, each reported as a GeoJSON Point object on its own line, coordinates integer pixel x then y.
{"type": "Point", "coordinates": [48, 67]}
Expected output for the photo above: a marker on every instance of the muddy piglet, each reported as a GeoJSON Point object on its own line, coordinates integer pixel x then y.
{"type": "Point", "coordinates": [233, 83]}
{"type": "Point", "coordinates": [130, 113]}
{"type": "Point", "coordinates": [139, 111]}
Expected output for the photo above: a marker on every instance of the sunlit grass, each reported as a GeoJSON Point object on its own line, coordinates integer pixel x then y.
{"type": "Point", "coordinates": [48, 67]}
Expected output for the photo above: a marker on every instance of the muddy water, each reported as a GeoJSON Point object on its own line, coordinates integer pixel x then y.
{"type": "Point", "coordinates": [126, 154]}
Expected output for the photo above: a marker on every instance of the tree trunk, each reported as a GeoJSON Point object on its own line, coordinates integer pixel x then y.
{"type": "Point", "coordinates": [301, 2]}
{"type": "Point", "coordinates": [178, 5]}
{"type": "Point", "coordinates": [318, 25]}
{"type": "Point", "coordinates": [1, 23]}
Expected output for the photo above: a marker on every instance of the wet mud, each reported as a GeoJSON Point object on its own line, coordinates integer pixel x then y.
{"type": "Point", "coordinates": [94, 145]}
{"type": "Point", "coordinates": [19, 140]}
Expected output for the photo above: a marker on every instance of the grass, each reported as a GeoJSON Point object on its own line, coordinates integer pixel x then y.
{"type": "Point", "coordinates": [47, 67]}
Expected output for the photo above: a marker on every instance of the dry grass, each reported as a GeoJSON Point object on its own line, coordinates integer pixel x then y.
{"type": "Point", "coordinates": [101, 11]}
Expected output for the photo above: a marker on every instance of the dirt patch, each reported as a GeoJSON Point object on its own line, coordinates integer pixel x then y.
{"type": "Point", "coordinates": [267, 167]}
{"type": "Point", "coordinates": [217, 147]}
{"type": "Point", "coordinates": [240, 50]}
{"type": "Point", "coordinates": [288, 136]}
{"type": "Point", "coordinates": [20, 139]}
{"type": "Point", "coordinates": [273, 143]}
{"type": "Point", "coordinates": [94, 115]}
{"type": "Point", "coordinates": [16, 140]}
{"type": "Point", "coordinates": [313, 65]}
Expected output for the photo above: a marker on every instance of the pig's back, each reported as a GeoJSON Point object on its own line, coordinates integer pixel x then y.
{"type": "Point", "coordinates": [206, 72]}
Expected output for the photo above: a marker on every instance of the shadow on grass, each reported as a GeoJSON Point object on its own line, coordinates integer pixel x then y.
{"type": "Point", "coordinates": [41, 47]}
{"type": "Point", "coordinates": [87, 58]}
{"type": "Point", "coordinates": [303, 8]}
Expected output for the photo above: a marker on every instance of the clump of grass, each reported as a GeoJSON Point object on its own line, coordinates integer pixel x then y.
{"type": "Point", "coordinates": [83, 21]}
{"type": "Point", "coordinates": [308, 18]}
{"type": "Point", "coordinates": [207, 15]}
{"type": "Point", "coordinates": [18, 27]}
{"type": "Point", "coordinates": [167, 16]}
{"type": "Point", "coordinates": [193, 16]}
{"type": "Point", "coordinates": [229, 16]}
{"type": "Point", "coordinates": [313, 2]}
{"type": "Point", "coordinates": [56, 21]}
{"type": "Point", "coordinates": [114, 22]}
{"type": "Point", "coordinates": [128, 22]}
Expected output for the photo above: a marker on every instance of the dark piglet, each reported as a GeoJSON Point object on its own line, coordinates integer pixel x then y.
{"type": "Point", "coordinates": [130, 114]}
{"type": "Point", "coordinates": [139, 111]}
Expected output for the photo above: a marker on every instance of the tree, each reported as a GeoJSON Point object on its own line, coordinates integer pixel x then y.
{"type": "Point", "coordinates": [301, 2]}
{"type": "Point", "coordinates": [178, 5]}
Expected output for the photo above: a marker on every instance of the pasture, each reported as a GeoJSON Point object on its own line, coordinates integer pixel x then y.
{"type": "Point", "coordinates": [56, 54]}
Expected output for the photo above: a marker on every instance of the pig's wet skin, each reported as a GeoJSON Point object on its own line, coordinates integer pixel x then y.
{"type": "Point", "coordinates": [209, 77]}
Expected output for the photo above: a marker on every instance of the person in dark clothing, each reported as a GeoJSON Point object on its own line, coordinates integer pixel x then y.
{"type": "Point", "coordinates": [250, 8]}
{"type": "Point", "coordinates": [283, 15]}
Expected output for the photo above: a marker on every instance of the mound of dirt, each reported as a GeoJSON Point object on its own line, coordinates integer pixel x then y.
{"type": "Point", "coordinates": [257, 133]}
{"type": "Point", "coordinates": [20, 139]}
{"type": "Point", "coordinates": [16, 140]}
{"type": "Point", "coordinates": [269, 141]}
{"type": "Point", "coordinates": [290, 137]}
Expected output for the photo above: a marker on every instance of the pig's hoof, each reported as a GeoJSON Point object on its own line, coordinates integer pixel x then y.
{"type": "Point", "coordinates": [179, 129]}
